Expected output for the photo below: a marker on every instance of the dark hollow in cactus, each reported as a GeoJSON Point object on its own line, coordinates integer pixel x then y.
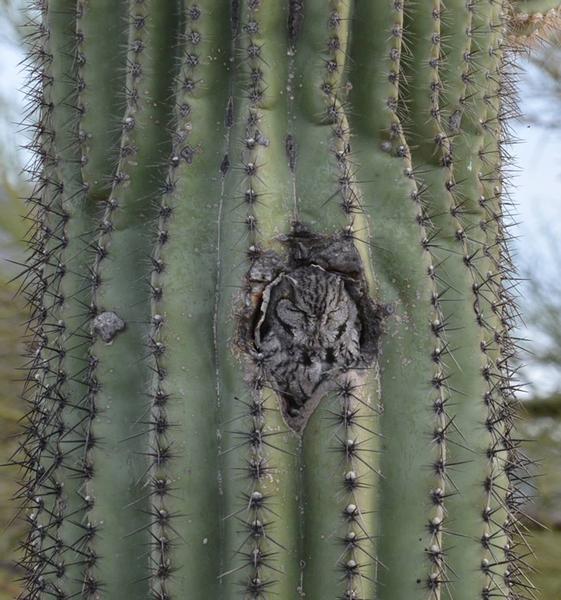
{"type": "Point", "coordinates": [230, 197]}
{"type": "Point", "coordinates": [309, 325]}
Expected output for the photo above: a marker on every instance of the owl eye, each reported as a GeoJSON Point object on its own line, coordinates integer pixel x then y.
{"type": "Point", "coordinates": [289, 314]}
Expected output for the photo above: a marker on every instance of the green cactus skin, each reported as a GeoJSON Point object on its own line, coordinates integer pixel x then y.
{"type": "Point", "coordinates": [536, 6]}
{"type": "Point", "coordinates": [177, 144]}
{"type": "Point", "coordinates": [74, 339]}
{"type": "Point", "coordinates": [121, 271]}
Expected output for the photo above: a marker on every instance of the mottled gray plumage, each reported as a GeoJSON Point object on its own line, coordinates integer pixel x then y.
{"type": "Point", "coordinates": [310, 332]}
{"type": "Point", "coordinates": [307, 320]}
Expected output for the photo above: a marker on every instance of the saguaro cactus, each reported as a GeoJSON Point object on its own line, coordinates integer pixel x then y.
{"type": "Point", "coordinates": [270, 290]}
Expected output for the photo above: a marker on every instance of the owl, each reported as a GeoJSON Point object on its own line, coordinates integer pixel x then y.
{"type": "Point", "coordinates": [309, 321]}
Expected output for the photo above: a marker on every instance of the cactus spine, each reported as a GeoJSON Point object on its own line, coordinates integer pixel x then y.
{"type": "Point", "coordinates": [192, 158]}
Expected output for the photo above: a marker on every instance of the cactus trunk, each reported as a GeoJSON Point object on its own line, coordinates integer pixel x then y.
{"type": "Point", "coordinates": [271, 294]}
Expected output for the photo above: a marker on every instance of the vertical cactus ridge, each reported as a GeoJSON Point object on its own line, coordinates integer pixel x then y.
{"type": "Point", "coordinates": [466, 415]}
{"type": "Point", "coordinates": [456, 69]}
{"type": "Point", "coordinates": [339, 531]}
{"type": "Point", "coordinates": [101, 37]}
{"type": "Point", "coordinates": [471, 219]}
{"type": "Point", "coordinates": [120, 298]}
{"type": "Point", "coordinates": [189, 156]}
{"type": "Point", "coordinates": [341, 438]}
{"type": "Point", "coordinates": [493, 565]}
{"type": "Point", "coordinates": [408, 532]}
{"type": "Point", "coordinates": [434, 161]}
{"type": "Point", "coordinates": [471, 238]}
{"type": "Point", "coordinates": [60, 341]}
{"type": "Point", "coordinates": [74, 336]}
{"type": "Point", "coordinates": [40, 285]}
{"type": "Point", "coordinates": [261, 48]}
{"type": "Point", "coordinates": [185, 481]}
{"type": "Point", "coordinates": [431, 161]}
{"type": "Point", "coordinates": [431, 157]}
{"type": "Point", "coordinates": [503, 569]}
{"type": "Point", "coordinates": [261, 508]}
{"type": "Point", "coordinates": [78, 557]}
{"type": "Point", "coordinates": [318, 119]}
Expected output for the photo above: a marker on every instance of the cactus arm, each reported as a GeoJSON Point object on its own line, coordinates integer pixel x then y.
{"type": "Point", "coordinates": [533, 7]}
{"type": "Point", "coordinates": [101, 32]}
{"type": "Point", "coordinates": [462, 243]}
{"type": "Point", "coordinates": [470, 152]}
{"type": "Point", "coordinates": [532, 20]}
{"type": "Point", "coordinates": [121, 269]}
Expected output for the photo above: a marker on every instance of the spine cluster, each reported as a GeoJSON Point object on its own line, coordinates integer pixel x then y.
{"type": "Point", "coordinates": [161, 454]}
{"type": "Point", "coordinates": [255, 516]}
{"type": "Point", "coordinates": [41, 454]}
{"type": "Point", "coordinates": [436, 526]}
{"type": "Point", "coordinates": [354, 415]}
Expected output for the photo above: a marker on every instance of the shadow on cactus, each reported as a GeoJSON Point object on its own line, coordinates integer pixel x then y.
{"type": "Point", "coordinates": [229, 196]}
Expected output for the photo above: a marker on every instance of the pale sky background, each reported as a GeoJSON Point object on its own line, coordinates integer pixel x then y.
{"type": "Point", "coordinates": [536, 188]}
{"type": "Point", "coordinates": [11, 84]}
{"type": "Point", "coordinates": [536, 191]}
